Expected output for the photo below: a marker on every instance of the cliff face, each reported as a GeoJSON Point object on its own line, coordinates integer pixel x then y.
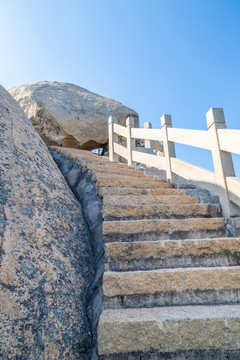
{"type": "Point", "coordinates": [46, 256]}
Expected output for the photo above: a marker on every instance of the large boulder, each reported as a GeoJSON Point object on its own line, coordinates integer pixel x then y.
{"type": "Point", "coordinates": [46, 261]}
{"type": "Point", "coordinates": [67, 115]}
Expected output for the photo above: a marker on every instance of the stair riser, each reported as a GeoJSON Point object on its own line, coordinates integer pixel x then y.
{"type": "Point", "coordinates": [125, 176]}
{"type": "Point", "coordinates": [170, 235]}
{"type": "Point", "coordinates": [179, 355]}
{"type": "Point", "coordinates": [159, 212]}
{"type": "Point", "coordinates": [210, 260]}
{"type": "Point", "coordinates": [128, 177]}
{"type": "Point", "coordinates": [188, 297]}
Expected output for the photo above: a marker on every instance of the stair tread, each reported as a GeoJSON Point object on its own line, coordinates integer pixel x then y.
{"type": "Point", "coordinates": [141, 191]}
{"type": "Point", "coordinates": [169, 329]}
{"type": "Point", "coordinates": [163, 248]}
{"type": "Point", "coordinates": [168, 280]}
{"type": "Point", "coordinates": [148, 225]}
{"type": "Point", "coordinates": [126, 176]}
{"type": "Point", "coordinates": [149, 199]}
{"type": "Point", "coordinates": [131, 182]}
{"type": "Point", "coordinates": [106, 170]}
{"type": "Point", "coordinates": [116, 211]}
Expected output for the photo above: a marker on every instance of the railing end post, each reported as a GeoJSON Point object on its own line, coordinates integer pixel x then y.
{"type": "Point", "coordinates": [222, 160]}
{"type": "Point", "coordinates": [215, 115]}
{"type": "Point", "coordinates": [166, 120]}
{"type": "Point", "coordinates": [130, 121]}
{"type": "Point", "coordinates": [147, 125]}
{"type": "Point", "coordinates": [112, 119]}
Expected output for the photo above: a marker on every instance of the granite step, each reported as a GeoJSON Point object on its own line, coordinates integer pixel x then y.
{"type": "Point", "coordinates": [139, 200]}
{"type": "Point", "coordinates": [159, 211]}
{"type": "Point", "coordinates": [171, 287]}
{"type": "Point", "coordinates": [150, 255]}
{"type": "Point", "coordinates": [103, 166]}
{"type": "Point", "coordinates": [94, 161]}
{"type": "Point", "coordinates": [183, 332]}
{"type": "Point", "coordinates": [126, 177]}
{"type": "Point", "coordinates": [130, 182]}
{"type": "Point", "coordinates": [140, 191]}
{"type": "Point", "coordinates": [106, 169]}
{"type": "Point", "coordinates": [78, 153]}
{"type": "Point", "coordinates": [166, 276]}
{"type": "Point", "coordinates": [164, 229]}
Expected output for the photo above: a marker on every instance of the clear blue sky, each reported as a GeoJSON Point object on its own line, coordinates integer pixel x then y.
{"type": "Point", "coordinates": [179, 57]}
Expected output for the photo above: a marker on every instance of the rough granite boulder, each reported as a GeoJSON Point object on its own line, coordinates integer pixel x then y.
{"type": "Point", "coordinates": [46, 261]}
{"type": "Point", "coordinates": [67, 115]}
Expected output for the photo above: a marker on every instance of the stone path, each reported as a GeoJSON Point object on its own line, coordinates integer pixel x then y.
{"type": "Point", "coordinates": [171, 285]}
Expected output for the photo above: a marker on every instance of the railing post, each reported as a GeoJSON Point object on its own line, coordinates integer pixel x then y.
{"type": "Point", "coordinates": [130, 141]}
{"type": "Point", "coordinates": [222, 160]}
{"type": "Point", "coordinates": [112, 137]}
{"type": "Point", "coordinates": [148, 144]}
{"type": "Point", "coordinates": [168, 146]}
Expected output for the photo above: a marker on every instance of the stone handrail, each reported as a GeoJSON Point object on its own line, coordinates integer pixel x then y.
{"type": "Point", "coordinates": [219, 140]}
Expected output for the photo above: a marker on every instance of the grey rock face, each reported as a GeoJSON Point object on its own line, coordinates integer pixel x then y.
{"type": "Point", "coordinates": [68, 115]}
{"type": "Point", "coordinates": [46, 256]}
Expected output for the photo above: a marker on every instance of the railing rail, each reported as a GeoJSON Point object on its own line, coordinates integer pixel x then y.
{"type": "Point", "coordinates": [219, 140]}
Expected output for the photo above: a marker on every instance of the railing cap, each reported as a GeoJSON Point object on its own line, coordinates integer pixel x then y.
{"type": "Point", "coordinates": [147, 125]}
{"type": "Point", "coordinates": [215, 115]}
{"type": "Point", "coordinates": [130, 121]}
{"type": "Point", "coordinates": [112, 119]}
{"type": "Point", "coordinates": [166, 120]}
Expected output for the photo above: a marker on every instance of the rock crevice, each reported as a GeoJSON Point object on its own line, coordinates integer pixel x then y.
{"type": "Point", "coordinates": [83, 185]}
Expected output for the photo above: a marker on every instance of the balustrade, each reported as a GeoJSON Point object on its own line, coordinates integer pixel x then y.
{"type": "Point", "coordinates": [219, 140]}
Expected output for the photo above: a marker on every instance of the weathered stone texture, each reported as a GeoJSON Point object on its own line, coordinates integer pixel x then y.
{"type": "Point", "coordinates": [46, 256]}
{"type": "Point", "coordinates": [166, 280]}
{"type": "Point", "coordinates": [169, 248]}
{"type": "Point", "coordinates": [150, 199]}
{"type": "Point", "coordinates": [136, 211]}
{"type": "Point", "coordinates": [165, 329]}
{"type": "Point", "coordinates": [68, 115]}
{"type": "Point", "coordinates": [164, 225]}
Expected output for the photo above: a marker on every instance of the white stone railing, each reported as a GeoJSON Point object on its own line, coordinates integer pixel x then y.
{"type": "Point", "coordinates": [219, 140]}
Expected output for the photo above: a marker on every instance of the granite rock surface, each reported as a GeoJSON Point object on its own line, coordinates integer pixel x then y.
{"type": "Point", "coordinates": [46, 260]}
{"type": "Point", "coordinates": [67, 115]}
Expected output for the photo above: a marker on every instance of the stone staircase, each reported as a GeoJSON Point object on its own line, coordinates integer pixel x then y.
{"type": "Point", "coordinates": [171, 284]}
